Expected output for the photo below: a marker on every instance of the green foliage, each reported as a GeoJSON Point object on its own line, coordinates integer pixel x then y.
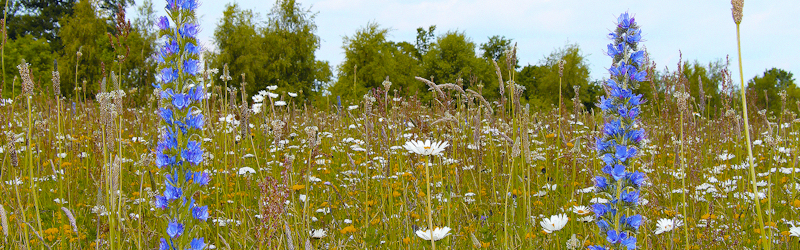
{"type": "Point", "coordinates": [424, 39]}
{"type": "Point", "coordinates": [37, 53]}
{"type": "Point", "coordinates": [84, 31]}
{"type": "Point", "coordinates": [370, 58]}
{"type": "Point", "coordinates": [711, 77]}
{"type": "Point", "coordinates": [542, 81]}
{"type": "Point", "coordinates": [39, 18]}
{"type": "Point", "coordinates": [453, 56]}
{"type": "Point", "coordinates": [771, 83]}
{"type": "Point", "coordinates": [495, 48]}
{"type": "Point", "coordinates": [281, 52]}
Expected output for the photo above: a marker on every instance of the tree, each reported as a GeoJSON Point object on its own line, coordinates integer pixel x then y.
{"type": "Point", "coordinates": [280, 52]}
{"type": "Point", "coordinates": [37, 53]}
{"type": "Point", "coordinates": [370, 57]}
{"type": "Point", "coordinates": [424, 38]}
{"type": "Point", "coordinates": [452, 56]}
{"type": "Point", "coordinates": [774, 81]}
{"type": "Point", "coordinates": [542, 81]}
{"type": "Point", "coordinates": [495, 48]}
{"type": "Point", "coordinates": [84, 31]}
{"type": "Point", "coordinates": [291, 34]}
{"type": "Point", "coordinates": [711, 78]}
{"type": "Point", "coordinates": [39, 18]}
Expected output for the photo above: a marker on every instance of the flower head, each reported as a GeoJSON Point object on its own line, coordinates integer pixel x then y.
{"type": "Point", "coordinates": [437, 234]}
{"type": "Point", "coordinates": [554, 223]}
{"type": "Point", "coordinates": [426, 147]}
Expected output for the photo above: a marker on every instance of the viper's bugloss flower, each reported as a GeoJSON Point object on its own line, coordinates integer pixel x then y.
{"type": "Point", "coordinates": [179, 148]}
{"type": "Point", "coordinates": [174, 229]}
{"type": "Point", "coordinates": [163, 23]}
{"type": "Point", "coordinates": [621, 139]}
{"type": "Point", "coordinates": [189, 30]}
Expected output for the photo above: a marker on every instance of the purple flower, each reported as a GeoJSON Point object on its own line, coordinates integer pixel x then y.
{"type": "Point", "coordinates": [168, 75]}
{"type": "Point", "coordinates": [192, 49]}
{"type": "Point", "coordinates": [195, 121]}
{"type": "Point", "coordinates": [200, 213]}
{"type": "Point", "coordinates": [614, 50]}
{"type": "Point", "coordinates": [640, 76]}
{"type": "Point", "coordinates": [624, 21]}
{"type": "Point", "coordinates": [634, 36]}
{"type": "Point", "coordinates": [201, 178]}
{"type": "Point", "coordinates": [174, 229]}
{"type": "Point", "coordinates": [180, 101]}
{"type": "Point", "coordinates": [163, 245]}
{"type": "Point", "coordinates": [161, 202]}
{"type": "Point", "coordinates": [165, 114]}
{"type": "Point", "coordinates": [189, 30]}
{"type": "Point", "coordinates": [638, 57]}
{"type": "Point", "coordinates": [600, 183]}
{"type": "Point", "coordinates": [163, 23]}
{"type": "Point", "coordinates": [193, 153]}
{"type": "Point", "coordinates": [172, 192]}
{"type": "Point", "coordinates": [197, 244]}
{"type": "Point", "coordinates": [630, 197]}
{"type": "Point", "coordinates": [624, 153]}
{"type": "Point", "coordinates": [636, 178]}
{"type": "Point", "coordinates": [614, 238]}
{"type": "Point", "coordinates": [189, 5]}
{"type": "Point", "coordinates": [191, 67]}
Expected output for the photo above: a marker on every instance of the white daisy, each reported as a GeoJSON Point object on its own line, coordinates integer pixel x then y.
{"type": "Point", "coordinates": [426, 147]}
{"type": "Point", "coordinates": [292, 94]}
{"type": "Point", "coordinates": [581, 210]}
{"type": "Point", "coordinates": [246, 170]}
{"type": "Point", "coordinates": [554, 223]}
{"type": "Point", "coordinates": [318, 233]}
{"type": "Point", "coordinates": [280, 103]}
{"type": "Point", "coordinates": [665, 225]}
{"type": "Point", "coordinates": [438, 233]}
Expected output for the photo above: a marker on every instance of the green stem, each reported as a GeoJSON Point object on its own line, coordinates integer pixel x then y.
{"type": "Point", "coordinates": [764, 239]}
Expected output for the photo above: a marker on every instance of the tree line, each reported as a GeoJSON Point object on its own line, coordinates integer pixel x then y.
{"type": "Point", "coordinates": [88, 40]}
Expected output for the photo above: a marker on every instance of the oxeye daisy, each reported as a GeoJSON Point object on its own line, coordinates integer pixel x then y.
{"type": "Point", "coordinates": [554, 223]}
{"type": "Point", "coordinates": [437, 234]}
{"type": "Point", "coordinates": [426, 147]}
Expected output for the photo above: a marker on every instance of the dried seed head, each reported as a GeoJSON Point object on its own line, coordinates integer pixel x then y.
{"type": "Point", "coordinates": [386, 83]}
{"type": "Point", "coordinates": [515, 149]}
{"type": "Point", "coordinates": [682, 98]}
{"type": "Point", "coordinates": [736, 10]}
{"type": "Point", "coordinates": [3, 220]}
{"type": "Point", "coordinates": [11, 147]}
{"type": "Point", "coordinates": [561, 68]}
{"type": "Point", "coordinates": [115, 168]}
{"type": "Point", "coordinates": [27, 82]}
{"type": "Point", "coordinates": [56, 83]}
{"type": "Point", "coordinates": [311, 131]}
{"type": "Point", "coordinates": [71, 219]}
{"type": "Point", "coordinates": [308, 245]}
{"type": "Point", "coordinates": [288, 233]}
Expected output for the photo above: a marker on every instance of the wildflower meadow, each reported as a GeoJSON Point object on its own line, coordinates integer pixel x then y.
{"type": "Point", "coordinates": [188, 151]}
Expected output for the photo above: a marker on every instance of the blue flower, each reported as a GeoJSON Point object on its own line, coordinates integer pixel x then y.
{"type": "Point", "coordinates": [623, 21]}
{"type": "Point", "coordinates": [619, 172]}
{"type": "Point", "coordinates": [163, 245]}
{"type": "Point", "coordinates": [195, 121]}
{"type": "Point", "coordinates": [614, 238]}
{"type": "Point", "coordinates": [193, 153]}
{"type": "Point", "coordinates": [192, 49]}
{"type": "Point", "coordinates": [629, 242]}
{"type": "Point", "coordinates": [161, 202]}
{"type": "Point", "coordinates": [596, 248]}
{"type": "Point", "coordinates": [201, 178]}
{"type": "Point", "coordinates": [180, 101]}
{"type": "Point", "coordinates": [614, 50]}
{"type": "Point", "coordinates": [603, 225]}
{"type": "Point", "coordinates": [164, 160]}
{"type": "Point", "coordinates": [174, 229]}
{"type": "Point", "coordinates": [623, 153]}
{"type": "Point", "coordinates": [606, 103]}
{"type": "Point", "coordinates": [172, 192]}
{"type": "Point", "coordinates": [599, 209]}
{"type": "Point", "coordinates": [197, 244]}
{"type": "Point", "coordinates": [168, 75]}
{"type": "Point", "coordinates": [189, 30]}
{"type": "Point", "coordinates": [634, 36]}
{"type": "Point", "coordinates": [630, 197]}
{"type": "Point", "coordinates": [613, 128]}
{"type": "Point", "coordinates": [640, 76]}
{"type": "Point", "coordinates": [163, 23]}
{"type": "Point", "coordinates": [191, 67]}
{"type": "Point", "coordinates": [200, 213]}
{"type": "Point", "coordinates": [600, 183]}
{"type": "Point", "coordinates": [165, 114]}
{"type": "Point", "coordinates": [189, 5]}
{"type": "Point", "coordinates": [636, 178]}
{"type": "Point", "coordinates": [196, 93]}
{"type": "Point", "coordinates": [638, 57]}
{"type": "Point", "coordinates": [634, 221]}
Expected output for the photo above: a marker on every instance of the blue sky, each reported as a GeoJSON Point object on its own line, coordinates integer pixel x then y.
{"type": "Point", "coordinates": [702, 30]}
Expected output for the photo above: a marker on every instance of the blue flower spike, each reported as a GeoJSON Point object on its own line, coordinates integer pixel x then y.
{"type": "Point", "coordinates": [622, 137]}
